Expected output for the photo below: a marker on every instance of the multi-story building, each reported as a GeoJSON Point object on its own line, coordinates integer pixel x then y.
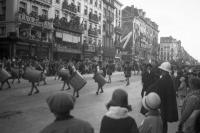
{"type": "Point", "coordinates": [117, 26]}
{"type": "Point", "coordinates": [92, 20]}
{"type": "Point", "coordinates": [68, 30]}
{"type": "Point", "coordinates": [170, 49]}
{"type": "Point", "coordinates": [26, 29]}
{"type": "Point", "coordinates": [140, 35]}
{"type": "Point", "coordinates": [108, 29]}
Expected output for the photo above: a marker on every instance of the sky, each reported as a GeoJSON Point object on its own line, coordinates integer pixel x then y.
{"type": "Point", "coordinates": [177, 18]}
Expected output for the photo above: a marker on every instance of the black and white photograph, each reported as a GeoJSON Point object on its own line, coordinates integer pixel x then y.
{"type": "Point", "coordinates": [99, 66]}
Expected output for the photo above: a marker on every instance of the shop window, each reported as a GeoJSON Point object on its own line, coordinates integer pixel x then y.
{"type": "Point", "coordinates": [45, 13]}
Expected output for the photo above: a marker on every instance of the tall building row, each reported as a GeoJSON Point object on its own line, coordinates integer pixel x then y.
{"type": "Point", "coordinates": [59, 29]}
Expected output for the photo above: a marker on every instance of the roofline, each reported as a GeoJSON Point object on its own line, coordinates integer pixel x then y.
{"type": "Point", "coordinates": [118, 2]}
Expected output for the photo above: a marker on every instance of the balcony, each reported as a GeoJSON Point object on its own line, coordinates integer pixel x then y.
{"type": "Point", "coordinates": [111, 4]}
{"type": "Point", "coordinates": [73, 25]}
{"type": "Point", "coordinates": [66, 7]}
{"type": "Point", "coordinates": [93, 32]}
{"type": "Point", "coordinates": [93, 18]}
{"type": "Point", "coordinates": [43, 17]}
{"type": "Point", "coordinates": [89, 48]}
{"type": "Point", "coordinates": [118, 30]}
{"type": "Point", "coordinates": [109, 19]}
{"type": "Point", "coordinates": [44, 2]}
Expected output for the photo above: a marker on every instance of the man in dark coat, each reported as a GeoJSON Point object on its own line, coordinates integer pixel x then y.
{"type": "Point", "coordinates": [165, 89]}
{"type": "Point", "coordinates": [148, 78]}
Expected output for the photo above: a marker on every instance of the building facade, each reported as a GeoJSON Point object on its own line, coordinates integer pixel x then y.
{"type": "Point", "coordinates": [27, 29]}
{"type": "Point", "coordinates": [60, 29]}
{"type": "Point", "coordinates": [140, 35]}
{"type": "Point", "coordinates": [170, 49]}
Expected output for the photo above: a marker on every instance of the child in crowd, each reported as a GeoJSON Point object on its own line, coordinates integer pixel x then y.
{"type": "Point", "coordinates": [153, 122]}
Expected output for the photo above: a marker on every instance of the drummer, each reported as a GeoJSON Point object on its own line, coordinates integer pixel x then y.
{"type": "Point", "coordinates": [66, 79]}
{"type": "Point", "coordinates": [98, 70]}
{"type": "Point", "coordinates": [5, 81]}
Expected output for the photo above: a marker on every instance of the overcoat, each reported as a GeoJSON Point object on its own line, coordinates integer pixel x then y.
{"type": "Point", "coordinates": [165, 89]}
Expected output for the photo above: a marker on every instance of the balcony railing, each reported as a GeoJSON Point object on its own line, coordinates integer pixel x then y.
{"type": "Point", "coordinates": [71, 7]}
{"type": "Point", "coordinates": [73, 25]}
{"type": "Point", "coordinates": [45, 2]}
{"type": "Point", "coordinates": [93, 32]}
{"type": "Point", "coordinates": [94, 18]}
{"type": "Point", "coordinates": [89, 48]}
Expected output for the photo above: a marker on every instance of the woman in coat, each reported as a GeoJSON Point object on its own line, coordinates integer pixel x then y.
{"type": "Point", "coordinates": [191, 107]}
{"type": "Point", "coordinates": [117, 119]}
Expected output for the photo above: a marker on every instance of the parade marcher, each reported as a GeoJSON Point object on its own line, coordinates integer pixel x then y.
{"type": "Point", "coordinates": [191, 107]}
{"type": "Point", "coordinates": [61, 104]}
{"type": "Point", "coordinates": [98, 70]}
{"type": "Point", "coordinates": [165, 89]}
{"type": "Point", "coordinates": [127, 72]}
{"type": "Point", "coordinates": [182, 90]}
{"type": "Point", "coordinates": [153, 121]}
{"type": "Point", "coordinates": [117, 120]}
{"type": "Point", "coordinates": [109, 70]}
{"type": "Point", "coordinates": [4, 80]}
{"type": "Point", "coordinates": [66, 78]}
{"type": "Point", "coordinates": [148, 78]}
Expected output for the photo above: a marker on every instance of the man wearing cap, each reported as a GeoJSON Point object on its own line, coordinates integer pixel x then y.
{"type": "Point", "coordinates": [60, 104]}
{"type": "Point", "coordinates": [165, 89]}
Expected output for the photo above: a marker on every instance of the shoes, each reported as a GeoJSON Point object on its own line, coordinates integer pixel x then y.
{"type": "Point", "coordinates": [29, 94]}
{"type": "Point", "coordinates": [97, 93]}
{"type": "Point", "coordinates": [68, 88]}
{"type": "Point", "coordinates": [77, 95]}
{"type": "Point", "coordinates": [36, 92]}
{"type": "Point", "coordinates": [127, 84]}
{"type": "Point", "coordinates": [62, 89]}
{"type": "Point", "coordinates": [101, 91]}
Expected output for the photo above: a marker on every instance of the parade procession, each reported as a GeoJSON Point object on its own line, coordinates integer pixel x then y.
{"type": "Point", "coordinates": [98, 66]}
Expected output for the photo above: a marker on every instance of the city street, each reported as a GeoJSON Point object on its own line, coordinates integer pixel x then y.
{"type": "Point", "coordinates": [20, 113]}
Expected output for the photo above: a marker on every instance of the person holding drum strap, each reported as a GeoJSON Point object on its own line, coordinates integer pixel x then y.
{"type": "Point", "coordinates": [66, 78]}
{"type": "Point", "coordinates": [6, 80]}
{"type": "Point", "coordinates": [98, 71]}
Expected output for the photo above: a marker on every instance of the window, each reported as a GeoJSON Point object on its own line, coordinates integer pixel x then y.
{"type": "Point", "coordinates": [104, 12]}
{"type": "Point", "coordinates": [22, 7]}
{"type": "Point", "coordinates": [85, 25]}
{"type": "Point", "coordinates": [99, 29]}
{"type": "Point", "coordinates": [86, 10]}
{"type": "Point", "coordinates": [96, 3]}
{"type": "Point", "coordinates": [100, 4]}
{"type": "Point", "coordinates": [56, 14]}
{"type": "Point", "coordinates": [90, 25]}
{"type": "Point", "coordinates": [79, 7]}
{"type": "Point", "coordinates": [2, 31]}
{"type": "Point", "coordinates": [91, 1]}
{"type": "Point", "coordinates": [58, 1]}
{"type": "Point", "coordinates": [99, 16]}
{"type": "Point", "coordinates": [45, 13]}
{"type": "Point", "coordinates": [91, 10]}
{"type": "Point", "coordinates": [35, 10]}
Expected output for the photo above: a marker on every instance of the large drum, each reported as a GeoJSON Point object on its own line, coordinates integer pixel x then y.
{"type": "Point", "coordinates": [64, 74]}
{"type": "Point", "coordinates": [77, 81]}
{"type": "Point", "coordinates": [32, 74]}
{"type": "Point", "coordinates": [99, 79]}
{"type": "Point", "coordinates": [4, 75]}
{"type": "Point", "coordinates": [15, 72]}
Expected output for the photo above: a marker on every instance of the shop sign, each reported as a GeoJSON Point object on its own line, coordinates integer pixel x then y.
{"type": "Point", "coordinates": [34, 21]}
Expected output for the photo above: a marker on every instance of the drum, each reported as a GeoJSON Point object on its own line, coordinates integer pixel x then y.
{"type": "Point", "coordinates": [64, 74]}
{"type": "Point", "coordinates": [77, 81]}
{"type": "Point", "coordinates": [15, 72]}
{"type": "Point", "coordinates": [32, 75]}
{"type": "Point", "coordinates": [4, 75]}
{"type": "Point", "coordinates": [99, 79]}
